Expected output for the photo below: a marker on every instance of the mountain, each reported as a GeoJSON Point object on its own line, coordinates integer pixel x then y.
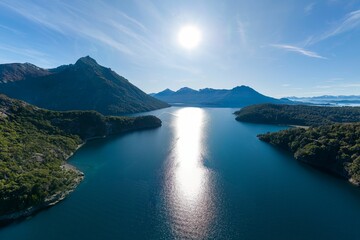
{"type": "Point", "coordinates": [34, 144]}
{"type": "Point", "coordinates": [84, 85]}
{"type": "Point", "coordinates": [17, 71]}
{"type": "Point", "coordinates": [352, 100]}
{"type": "Point", "coordinates": [236, 97]}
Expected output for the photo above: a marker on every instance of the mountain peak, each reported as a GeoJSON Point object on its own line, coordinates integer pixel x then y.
{"type": "Point", "coordinates": [237, 97]}
{"type": "Point", "coordinates": [87, 60]}
{"type": "Point", "coordinates": [185, 89]}
{"type": "Point", "coordinates": [242, 87]}
{"type": "Point", "coordinates": [11, 72]}
{"type": "Point", "coordinates": [93, 87]}
{"type": "Point", "coordinates": [165, 92]}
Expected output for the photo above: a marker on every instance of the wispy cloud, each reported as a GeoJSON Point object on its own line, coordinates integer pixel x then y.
{"type": "Point", "coordinates": [309, 8]}
{"type": "Point", "coordinates": [335, 79]}
{"type": "Point", "coordinates": [242, 32]}
{"type": "Point", "coordinates": [150, 8]}
{"type": "Point", "coordinates": [350, 22]}
{"type": "Point", "coordinates": [29, 53]}
{"type": "Point", "coordinates": [10, 29]}
{"type": "Point", "coordinates": [298, 50]}
{"type": "Point", "coordinates": [335, 86]}
{"type": "Point", "coordinates": [110, 26]}
{"type": "Point", "coordinates": [66, 20]}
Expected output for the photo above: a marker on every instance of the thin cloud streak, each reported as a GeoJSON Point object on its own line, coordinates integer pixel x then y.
{"type": "Point", "coordinates": [32, 54]}
{"type": "Point", "coordinates": [57, 21]}
{"type": "Point", "coordinates": [298, 50]}
{"type": "Point", "coordinates": [350, 22]}
{"type": "Point", "coordinates": [114, 29]}
{"type": "Point", "coordinates": [309, 8]}
{"type": "Point", "coordinates": [10, 29]}
{"type": "Point", "coordinates": [242, 32]}
{"type": "Point", "coordinates": [344, 85]}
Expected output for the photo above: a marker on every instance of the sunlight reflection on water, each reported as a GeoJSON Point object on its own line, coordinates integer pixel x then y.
{"type": "Point", "coordinates": [188, 192]}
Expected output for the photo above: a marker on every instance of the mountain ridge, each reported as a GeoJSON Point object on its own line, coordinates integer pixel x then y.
{"type": "Point", "coordinates": [238, 96]}
{"type": "Point", "coordinates": [95, 88]}
{"type": "Point", "coordinates": [330, 100]}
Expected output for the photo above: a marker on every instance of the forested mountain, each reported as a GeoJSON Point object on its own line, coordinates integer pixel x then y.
{"type": "Point", "coordinates": [297, 114]}
{"type": "Point", "coordinates": [236, 97]}
{"type": "Point", "coordinates": [84, 85]}
{"type": "Point", "coordinates": [34, 144]}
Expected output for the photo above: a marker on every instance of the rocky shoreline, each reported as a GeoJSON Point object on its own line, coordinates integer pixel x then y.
{"type": "Point", "coordinates": [49, 201]}
{"type": "Point", "coordinates": [35, 145]}
{"type": "Point", "coordinates": [55, 198]}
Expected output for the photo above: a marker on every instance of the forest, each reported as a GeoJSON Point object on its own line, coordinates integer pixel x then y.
{"type": "Point", "coordinates": [303, 115]}
{"type": "Point", "coordinates": [35, 143]}
{"type": "Point", "coordinates": [334, 147]}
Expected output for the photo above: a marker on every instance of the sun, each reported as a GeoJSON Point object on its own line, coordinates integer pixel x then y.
{"type": "Point", "coordinates": [189, 37]}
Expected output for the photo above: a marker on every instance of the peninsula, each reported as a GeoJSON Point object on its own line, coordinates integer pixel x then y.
{"type": "Point", "coordinates": [34, 146]}
{"type": "Point", "coordinates": [331, 142]}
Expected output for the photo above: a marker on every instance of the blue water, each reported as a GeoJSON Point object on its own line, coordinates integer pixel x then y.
{"type": "Point", "coordinates": [202, 175]}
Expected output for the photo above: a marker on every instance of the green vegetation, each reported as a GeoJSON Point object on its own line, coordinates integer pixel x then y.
{"type": "Point", "coordinates": [333, 147]}
{"type": "Point", "coordinates": [34, 144]}
{"type": "Point", "coordinates": [298, 114]}
{"type": "Point", "coordinates": [332, 143]}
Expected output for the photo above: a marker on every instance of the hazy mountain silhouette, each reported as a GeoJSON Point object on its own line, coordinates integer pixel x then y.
{"type": "Point", "coordinates": [236, 97]}
{"type": "Point", "coordinates": [330, 100]}
{"type": "Point", "coordinates": [84, 85]}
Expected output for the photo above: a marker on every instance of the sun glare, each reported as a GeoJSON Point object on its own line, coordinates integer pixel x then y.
{"type": "Point", "coordinates": [189, 37]}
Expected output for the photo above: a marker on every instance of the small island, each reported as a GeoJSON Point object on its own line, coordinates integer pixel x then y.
{"type": "Point", "coordinates": [34, 146]}
{"type": "Point", "coordinates": [331, 140]}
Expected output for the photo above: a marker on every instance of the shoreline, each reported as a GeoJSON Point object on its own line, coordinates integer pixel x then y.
{"type": "Point", "coordinates": [52, 199]}
{"type": "Point", "coordinates": [60, 195]}
{"type": "Point", "coordinates": [299, 126]}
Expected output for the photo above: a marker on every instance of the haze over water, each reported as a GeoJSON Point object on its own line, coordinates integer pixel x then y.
{"type": "Point", "coordinates": [202, 175]}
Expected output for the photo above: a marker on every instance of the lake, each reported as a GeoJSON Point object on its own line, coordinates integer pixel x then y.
{"type": "Point", "coordinates": [202, 175]}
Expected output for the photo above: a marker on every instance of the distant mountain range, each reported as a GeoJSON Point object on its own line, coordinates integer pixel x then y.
{"type": "Point", "coordinates": [84, 85]}
{"type": "Point", "coordinates": [329, 100]}
{"type": "Point", "coordinates": [237, 97]}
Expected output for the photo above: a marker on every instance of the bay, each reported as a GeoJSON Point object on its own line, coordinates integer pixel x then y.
{"type": "Point", "coordinates": [202, 175]}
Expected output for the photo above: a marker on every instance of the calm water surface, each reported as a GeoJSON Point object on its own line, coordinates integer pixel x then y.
{"type": "Point", "coordinates": [202, 175]}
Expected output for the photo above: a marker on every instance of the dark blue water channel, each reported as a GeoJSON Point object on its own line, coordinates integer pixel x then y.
{"type": "Point", "coordinates": [202, 175]}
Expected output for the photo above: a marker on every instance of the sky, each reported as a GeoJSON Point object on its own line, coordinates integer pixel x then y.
{"type": "Point", "coordinates": [278, 47]}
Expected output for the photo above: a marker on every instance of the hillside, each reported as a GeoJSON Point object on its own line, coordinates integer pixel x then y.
{"type": "Point", "coordinates": [84, 85]}
{"type": "Point", "coordinates": [297, 114]}
{"type": "Point", "coordinates": [34, 144]}
{"type": "Point", "coordinates": [236, 97]}
{"type": "Point", "coordinates": [335, 148]}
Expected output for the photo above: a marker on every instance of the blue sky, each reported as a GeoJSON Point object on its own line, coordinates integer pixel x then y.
{"type": "Point", "coordinates": [279, 47]}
